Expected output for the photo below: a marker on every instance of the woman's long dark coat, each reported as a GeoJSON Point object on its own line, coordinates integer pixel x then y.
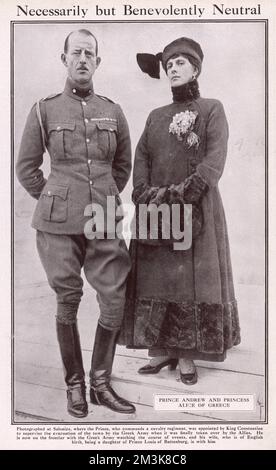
{"type": "Point", "coordinates": [184, 300]}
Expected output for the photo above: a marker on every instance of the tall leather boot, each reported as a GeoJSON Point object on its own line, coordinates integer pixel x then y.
{"type": "Point", "coordinates": [70, 349]}
{"type": "Point", "coordinates": [101, 393]}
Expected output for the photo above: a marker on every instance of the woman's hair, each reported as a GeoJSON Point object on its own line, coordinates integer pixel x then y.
{"type": "Point", "coordinates": [191, 59]}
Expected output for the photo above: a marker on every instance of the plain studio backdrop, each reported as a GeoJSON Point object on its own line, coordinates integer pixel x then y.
{"type": "Point", "coordinates": [233, 71]}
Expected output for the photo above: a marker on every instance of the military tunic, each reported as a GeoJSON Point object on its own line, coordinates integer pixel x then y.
{"type": "Point", "coordinates": [89, 146]}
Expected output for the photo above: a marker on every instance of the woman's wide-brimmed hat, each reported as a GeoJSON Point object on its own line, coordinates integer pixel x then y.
{"type": "Point", "coordinates": [150, 63]}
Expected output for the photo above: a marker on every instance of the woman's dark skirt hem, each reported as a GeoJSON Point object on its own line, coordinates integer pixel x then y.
{"type": "Point", "coordinates": [195, 330]}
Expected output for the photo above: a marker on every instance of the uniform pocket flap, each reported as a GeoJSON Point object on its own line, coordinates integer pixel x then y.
{"type": "Point", "coordinates": [60, 191]}
{"type": "Point", "coordinates": [61, 126]}
{"type": "Point", "coordinates": [107, 126]}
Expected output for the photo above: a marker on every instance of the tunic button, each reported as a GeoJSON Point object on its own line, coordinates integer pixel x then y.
{"type": "Point", "coordinates": [88, 140]}
{"type": "Point", "coordinates": [58, 128]}
{"type": "Point", "coordinates": [49, 193]}
{"type": "Point", "coordinates": [89, 162]}
{"type": "Point", "coordinates": [83, 103]}
{"type": "Point", "coordinates": [90, 182]}
{"type": "Point", "coordinates": [86, 120]}
{"type": "Point", "coordinates": [74, 90]}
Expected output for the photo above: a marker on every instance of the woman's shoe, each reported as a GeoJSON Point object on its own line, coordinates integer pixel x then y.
{"type": "Point", "coordinates": [148, 369]}
{"type": "Point", "coordinates": [189, 379]}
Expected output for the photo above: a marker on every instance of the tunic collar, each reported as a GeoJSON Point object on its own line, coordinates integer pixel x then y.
{"type": "Point", "coordinates": [73, 91]}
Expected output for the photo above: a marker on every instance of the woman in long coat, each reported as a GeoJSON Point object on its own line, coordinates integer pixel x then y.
{"type": "Point", "coordinates": [180, 303]}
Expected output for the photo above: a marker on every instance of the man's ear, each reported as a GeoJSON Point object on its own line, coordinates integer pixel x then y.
{"type": "Point", "coordinates": [98, 61]}
{"type": "Point", "coordinates": [63, 59]}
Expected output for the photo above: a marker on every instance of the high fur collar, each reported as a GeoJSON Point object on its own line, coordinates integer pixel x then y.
{"type": "Point", "coordinates": [189, 91]}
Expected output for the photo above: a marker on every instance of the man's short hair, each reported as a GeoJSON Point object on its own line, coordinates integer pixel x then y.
{"type": "Point", "coordinates": [82, 31]}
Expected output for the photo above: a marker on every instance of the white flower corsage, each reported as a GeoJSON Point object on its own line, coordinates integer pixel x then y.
{"type": "Point", "coordinates": [182, 125]}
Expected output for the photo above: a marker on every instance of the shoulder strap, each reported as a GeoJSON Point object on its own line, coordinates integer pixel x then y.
{"type": "Point", "coordinates": [43, 134]}
{"type": "Point", "coordinates": [105, 98]}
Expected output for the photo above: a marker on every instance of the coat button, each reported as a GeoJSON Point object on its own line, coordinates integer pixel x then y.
{"type": "Point", "coordinates": [90, 182]}
{"type": "Point", "coordinates": [58, 128]}
{"type": "Point", "coordinates": [89, 162]}
{"type": "Point", "coordinates": [74, 90]}
{"type": "Point", "coordinates": [86, 120]}
{"type": "Point", "coordinates": [49, 193]}
{"type": "Point", "coordinates": [83, 103]}
{"type": "Point", "coordinates": [88, 140]}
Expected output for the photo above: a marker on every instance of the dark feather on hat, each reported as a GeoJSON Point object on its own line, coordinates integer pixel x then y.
{"type": "Point", "coordinates": [150, 64]}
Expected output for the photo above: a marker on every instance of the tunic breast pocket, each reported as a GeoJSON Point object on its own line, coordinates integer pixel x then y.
{"type": "Point", "coordinates": [54, 203]}
{"type": "Point", "coordinates": [107, 138]}
{"type": "Point", "coordinates": [61, 139]}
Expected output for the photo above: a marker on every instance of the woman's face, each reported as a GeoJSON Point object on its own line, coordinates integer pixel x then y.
{"type": "Point", "coordinates": [180, 70]}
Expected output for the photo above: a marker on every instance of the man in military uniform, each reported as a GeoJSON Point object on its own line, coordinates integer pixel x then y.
{"type": "Point", "coordinates": [88, 142]}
